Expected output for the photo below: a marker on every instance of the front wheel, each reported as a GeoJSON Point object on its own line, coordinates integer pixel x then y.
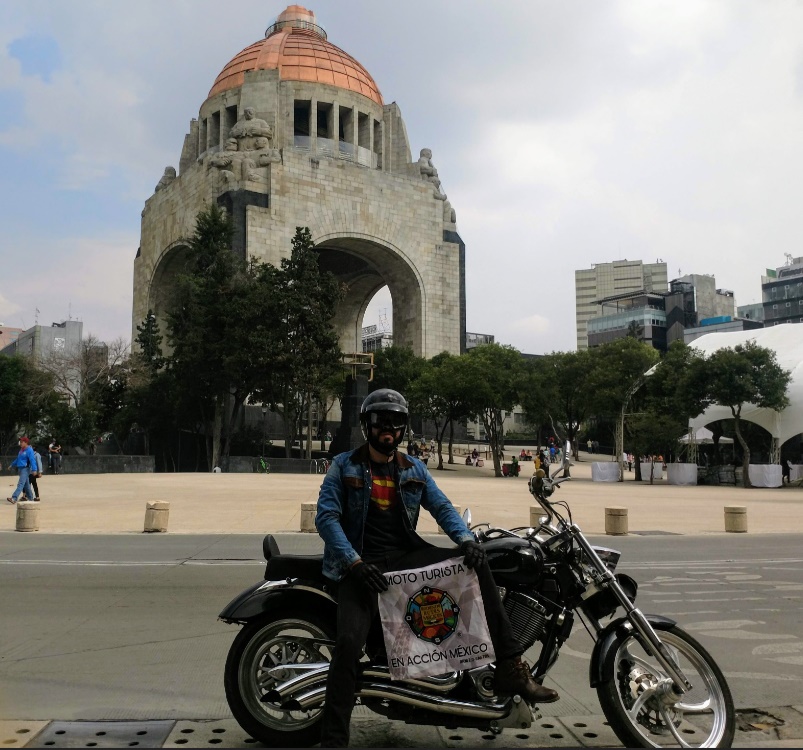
{"type": "Point", "coordinates": [254, 667]}
{"type": "Point", "coordinates": [642, 710]}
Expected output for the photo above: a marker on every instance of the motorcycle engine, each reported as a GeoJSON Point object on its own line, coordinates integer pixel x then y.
{"type": "Point", "coordinates": [527, 616]}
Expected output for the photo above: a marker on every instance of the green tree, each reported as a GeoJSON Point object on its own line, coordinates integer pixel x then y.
{"type": "Point", "coordinates": [396, 367]}
{"type": "Point", "coordinates": [442, 394]}
{"type": "Point", "coordinates": [566, 380]}
{"type": "Point", "coordinates": [619, 369]}
{"type": "Point", "coordinates": [149, 340]}
{"type": "Point", "coordinates": [26, 397]}
{"type": "Point", "coordinates": [493, 378]}
{"type": "Point", "coordinates": [745, 374]}
{"type": "Point", "coordinates": [203, 328]}
{"type": "Point", "coordinates": [307, 351]}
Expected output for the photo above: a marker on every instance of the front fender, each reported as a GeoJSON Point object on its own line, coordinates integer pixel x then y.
{"type": "Point", "coordinates": [266, 595]}
{"type": "Point", "coordinates": [610, 635]}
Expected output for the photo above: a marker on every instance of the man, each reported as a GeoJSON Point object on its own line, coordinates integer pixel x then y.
{"type": "Point", "coordinates": [25, 463]}
{"type": "Point", "coordinates": [368, 508]}
{"type": "Point", "coordinates": [54, 454]}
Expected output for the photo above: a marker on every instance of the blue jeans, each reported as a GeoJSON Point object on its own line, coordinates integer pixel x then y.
{"type": "Point", "coordinates": [23, 485]}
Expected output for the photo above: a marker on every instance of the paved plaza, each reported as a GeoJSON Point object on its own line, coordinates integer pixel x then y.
{"type": "Point", "coordinates": [258, 503]}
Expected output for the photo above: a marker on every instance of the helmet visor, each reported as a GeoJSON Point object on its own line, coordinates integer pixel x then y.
{"type": "Point", "coordinates": [391, 420]}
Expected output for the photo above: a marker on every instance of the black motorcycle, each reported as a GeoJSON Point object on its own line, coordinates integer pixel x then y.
{"type": "Point", "coordinates": [657, 686]}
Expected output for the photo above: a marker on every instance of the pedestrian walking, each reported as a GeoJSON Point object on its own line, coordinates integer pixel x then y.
{"type": "Point", "coordinates": [589, 444]}
{"type": "Point", "coordinates": [25, 464]}
{"type": "Point", "coordinates": [36, 474]}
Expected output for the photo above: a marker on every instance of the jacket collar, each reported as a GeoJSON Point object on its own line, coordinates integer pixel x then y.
{"type": "Point", "coordinates": [361, 456]}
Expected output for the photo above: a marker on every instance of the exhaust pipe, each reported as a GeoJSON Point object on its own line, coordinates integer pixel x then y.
{"type": "Point", "coordinates": [316, 695]}
{"type": "Point", "coordinates": [282, 692]}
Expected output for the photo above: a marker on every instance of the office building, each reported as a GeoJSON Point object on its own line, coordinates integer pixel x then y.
{"type": "Point", "coordinates": [782, 293]}
{"type": "Point", "coordinates": [607, 280]}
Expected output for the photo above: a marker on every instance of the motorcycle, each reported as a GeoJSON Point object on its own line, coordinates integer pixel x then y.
{"type": "Point", "coordinates": [657, 686]}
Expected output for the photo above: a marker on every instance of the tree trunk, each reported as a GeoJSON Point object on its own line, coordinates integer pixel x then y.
{"type": "Point", "coordinates": [440, 433]}
{"type": "Point", "coordinates": [619, 440]}
{"type": "Point", "coordinates": [652, 468]}
{"type": "Point", "coordinates": [309, 427]}
{"type": "Point", "coordinates": [745, 449]}
{"type": "Point", "coordinates": [637, 476]}
{"type": "Point", "coordinates": [489, 420]}
{"type": "Point", "coordinates": [217, 428]}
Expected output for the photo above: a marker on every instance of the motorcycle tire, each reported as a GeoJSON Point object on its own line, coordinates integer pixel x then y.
{"type": "Point", "coordinates": [261, 641]}
{"type": "Point", "coordinates": [704, 717]}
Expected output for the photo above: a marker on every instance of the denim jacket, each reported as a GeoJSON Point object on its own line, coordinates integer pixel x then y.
{"type": "Point", "coordinates": [343, 506]}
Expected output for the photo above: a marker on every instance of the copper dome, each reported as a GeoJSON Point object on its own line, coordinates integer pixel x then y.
{"type": "Point", "coordinates": [297, 47]}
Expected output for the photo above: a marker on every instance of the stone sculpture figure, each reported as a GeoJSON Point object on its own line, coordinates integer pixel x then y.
{"type": "Point", "coordinates": [428, 172]}
{"type": "Point", "coordinates": [228, 161]}
{"type": "Point", "coordinates": [449, 214]}
{"type": "Point", "coordinates": [249, 128]}
{"type": "Point", "coordinates": [167, 178]}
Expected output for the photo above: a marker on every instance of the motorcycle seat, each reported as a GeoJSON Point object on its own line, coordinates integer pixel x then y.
{"type": "Point", "coordinates": [308, 567]}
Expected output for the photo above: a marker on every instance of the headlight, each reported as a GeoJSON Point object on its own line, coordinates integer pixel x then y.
{"type": "Point", "coordinates": [608, 556]}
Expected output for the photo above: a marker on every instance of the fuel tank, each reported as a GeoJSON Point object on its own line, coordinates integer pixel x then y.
{"type": "Point", "coordinates": [514, 561]}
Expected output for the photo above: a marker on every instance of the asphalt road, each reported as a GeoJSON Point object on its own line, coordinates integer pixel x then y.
{"type": "Point", "coordinates": [124, 626]}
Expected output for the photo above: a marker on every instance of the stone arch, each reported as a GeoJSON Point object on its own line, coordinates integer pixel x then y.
{"type": "Point", "coordinates": [163, 280]}
{"type": "Point", "coordinates": [366, 264]}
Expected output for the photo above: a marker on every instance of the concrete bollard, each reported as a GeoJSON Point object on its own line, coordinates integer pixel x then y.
{"type": "Point", "coordinates": [27, 516]}
{"type": "Point", "coordinates": [736, 518]}
{"type": "Point", "coordinates": [308, 511]}
{"type": "Point", "coordinates": [616, 520]}
{"type": "Point", "coordinates": [156, 516]}
{"type": "Point", "coordinates": [459, 510]}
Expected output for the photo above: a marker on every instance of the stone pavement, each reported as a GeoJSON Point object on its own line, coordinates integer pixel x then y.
{"type": "Point", "coordinates": [254, 503]}
{"type": "Point", "coordinates": [258, 503]}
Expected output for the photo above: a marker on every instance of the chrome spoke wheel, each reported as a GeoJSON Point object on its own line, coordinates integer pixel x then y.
{"type": "Point", "coordinates": [269, 659]}
{"type": "Point", "coordinates": [639, 699]}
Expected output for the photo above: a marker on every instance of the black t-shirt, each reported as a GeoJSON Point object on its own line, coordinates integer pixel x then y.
{"type": "Point", "coordinates": [385, 527]}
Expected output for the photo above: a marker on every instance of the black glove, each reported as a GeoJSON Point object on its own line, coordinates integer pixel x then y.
{"type": "Point", "coordinates": [474, 554]}
{"type": "Point", "coordinates": [370, 576]}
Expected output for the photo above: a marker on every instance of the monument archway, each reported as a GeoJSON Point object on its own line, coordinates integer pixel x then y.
{"type": "Point", "coordinates": [163, 283]}
{"type": "Point", "coordinates": [365, 266]}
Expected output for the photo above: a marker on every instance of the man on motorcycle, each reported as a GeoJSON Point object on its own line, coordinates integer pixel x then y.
{"type": "Point", "coordinates": [368, 509]}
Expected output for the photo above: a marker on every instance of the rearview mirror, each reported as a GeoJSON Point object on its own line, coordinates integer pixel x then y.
{"type": "Point", "coordinates": [467, 517]}
{"type": "Point", "coordinates": [567, 452]}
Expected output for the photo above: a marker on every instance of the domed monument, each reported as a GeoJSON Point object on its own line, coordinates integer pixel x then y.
{"type": "Point", "coordinates": [295, 132]}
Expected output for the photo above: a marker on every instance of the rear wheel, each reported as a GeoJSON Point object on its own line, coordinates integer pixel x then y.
{"type": "Point", "coordinates": [642, 710]}
{"type": "Point", "coordinates": [255, 666]}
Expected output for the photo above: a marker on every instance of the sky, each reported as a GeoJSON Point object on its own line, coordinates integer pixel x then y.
{"type": "Point", "coordinates": [565, 133]}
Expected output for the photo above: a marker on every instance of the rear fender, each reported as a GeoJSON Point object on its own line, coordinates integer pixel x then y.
{"type": "Point", "coordinates": [268, 595]}
{"type": "Point", "coordinates": [609, 636]}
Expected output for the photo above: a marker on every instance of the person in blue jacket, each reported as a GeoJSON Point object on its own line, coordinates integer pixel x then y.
{"type": "Point", "coordinates": [368, 508]}
{"type": "Point", "coordinates": [25, 463]}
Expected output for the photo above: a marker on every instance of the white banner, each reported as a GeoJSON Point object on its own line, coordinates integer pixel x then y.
{"type": "Point", "coordinates": [434, 621]}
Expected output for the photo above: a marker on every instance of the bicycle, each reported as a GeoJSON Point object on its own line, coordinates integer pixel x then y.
{"type": "Point", "coordinates": [263, 467]}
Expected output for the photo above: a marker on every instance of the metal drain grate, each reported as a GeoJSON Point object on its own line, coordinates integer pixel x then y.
{"type": "Point", "coordinates": [143, 734]}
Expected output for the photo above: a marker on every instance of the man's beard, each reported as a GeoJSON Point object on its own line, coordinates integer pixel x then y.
{"type": "Point", "coordinates": [385, 448]}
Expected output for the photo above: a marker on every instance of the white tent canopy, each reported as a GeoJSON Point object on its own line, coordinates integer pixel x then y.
{"type": "Point", "coordinates": [787, 343]}
{"type": "Point", "coordinates": [704, 436]}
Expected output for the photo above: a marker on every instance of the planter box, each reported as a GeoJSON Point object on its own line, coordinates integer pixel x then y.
{"type": "Point", "coordinates": [657, 471]}
{"type": "Point", "coordinates": [605, 471]}
{"type": "Point", "coordinates": [765, 475]}
{"type": "Point", "coordinates": [682, 474]}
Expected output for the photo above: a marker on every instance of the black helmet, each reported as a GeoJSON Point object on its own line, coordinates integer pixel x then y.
{"type": "Point", "coordinates": [393, 407]}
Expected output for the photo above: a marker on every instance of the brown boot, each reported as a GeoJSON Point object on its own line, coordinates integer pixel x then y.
{"type": "Point", "coordinates": [513, 677]}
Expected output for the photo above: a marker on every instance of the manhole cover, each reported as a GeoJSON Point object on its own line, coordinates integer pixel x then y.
{"type": "Point", "coordinates": [104, 734]}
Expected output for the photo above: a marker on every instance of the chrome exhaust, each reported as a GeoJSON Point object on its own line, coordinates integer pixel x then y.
{"type": "Point", "coordinates": [318, 674]}
{"type": "Point", "coordinates": [316, 696]}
